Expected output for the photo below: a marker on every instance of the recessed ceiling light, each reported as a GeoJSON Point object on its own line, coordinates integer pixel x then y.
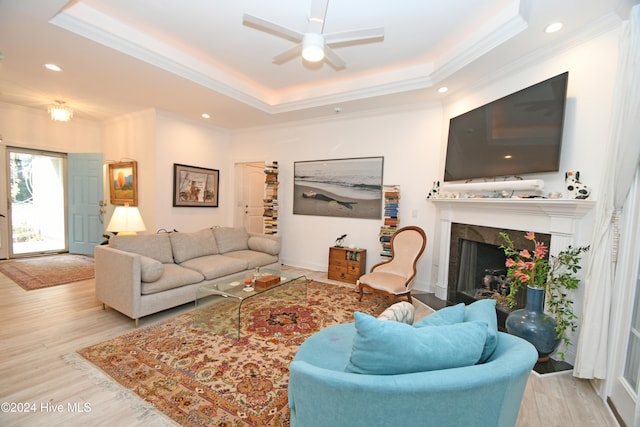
{"type": "Point", "coordinates": [52, 67]}
{"type": "Point", "coordinates": [508, 156]}
{"type": "Point", "coordinates": [552, 28]}
{"type": "Point", "coordinates": [205, 116]}
{"type": "Point", "coordinates": [443, 89]}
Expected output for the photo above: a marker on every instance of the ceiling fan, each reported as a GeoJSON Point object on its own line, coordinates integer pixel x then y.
{"type": "Point", "coordinates": [313, 44]}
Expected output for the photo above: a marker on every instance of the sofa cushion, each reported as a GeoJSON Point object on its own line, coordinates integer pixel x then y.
{"type": "Point", "coordinates": [389, 348]}
{"type": "Point", "coordinates": [484, 310]}
{"type": "Point", "coordinates": [264, 244]}
{"type": "Point", "coordinates": [174, 276]}
{"type": "Point", "coordinates": [231, 239]}
{"type": "Point", "coordinates": [253, 258]}
{"type": "Point", "coordinates": [156, 246]}
{"type": "Point", "coordinates": [214, 266]}
{"type": "Point", "coordinates": [445, 316]}
{"type": "Point", "coordinates": [150, 269]}
{"type": "Point", "coordinates": [186, 246]}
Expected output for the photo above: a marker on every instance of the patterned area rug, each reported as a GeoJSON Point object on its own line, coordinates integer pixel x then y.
{"type": "Point", "coordinates": [47, 271]}
{"type": "Point", "coordinates": [194, 369]}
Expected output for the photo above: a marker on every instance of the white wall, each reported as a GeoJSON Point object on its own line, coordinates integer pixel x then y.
{"type": "Point", "coordinates": [157, 140]}
{"type": "Point", "coordinates": [592, 71]}
{"type": "Point", "coordinates": [409, 141]}
{"type": "Point", "coordinates": [192, 144]}
{"type": "Point", "coordinates": [413, 143]}
{"type": "Point", "coordinates": [33, 128]}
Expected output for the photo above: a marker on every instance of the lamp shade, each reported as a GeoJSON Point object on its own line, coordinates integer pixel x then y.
{"type": "Point", "coordinates": [126, 219]}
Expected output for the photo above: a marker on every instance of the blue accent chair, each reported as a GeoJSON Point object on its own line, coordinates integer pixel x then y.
{"type": "Point", "coordinates": [322, 394]}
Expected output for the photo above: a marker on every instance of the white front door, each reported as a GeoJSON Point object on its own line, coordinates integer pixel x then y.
{"type": "Point", "coordinates": [250, 196]}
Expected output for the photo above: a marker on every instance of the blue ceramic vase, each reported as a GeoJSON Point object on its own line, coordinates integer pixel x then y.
{"type": "Point", "coordinates": [531, 324]}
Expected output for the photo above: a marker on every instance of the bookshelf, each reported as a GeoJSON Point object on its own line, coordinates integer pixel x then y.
{"type": "Point", "coordinates": [270, 215]}
{"type": "Point", "coordinates": [391, 194]}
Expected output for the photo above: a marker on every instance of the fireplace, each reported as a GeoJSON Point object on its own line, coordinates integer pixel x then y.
{"type": "Point", "coordinates": [476, 266]}
{"type": "Point", "coordinates": [563, 219]}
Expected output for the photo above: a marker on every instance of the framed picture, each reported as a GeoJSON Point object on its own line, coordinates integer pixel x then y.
{"type": "Point", "coordinates": [123, 183]}
{"type": "Point", "coordinates": [195, 187]}
{"type": "Point", "coordinates": [350, 188]}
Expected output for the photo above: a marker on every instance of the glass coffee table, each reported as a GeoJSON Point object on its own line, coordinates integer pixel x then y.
{"type": "Point", "coordinates": [219, 305]}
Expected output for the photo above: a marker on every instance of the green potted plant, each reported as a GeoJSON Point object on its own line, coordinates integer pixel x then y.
{"type": "Point", "coordinates": [547, 279]}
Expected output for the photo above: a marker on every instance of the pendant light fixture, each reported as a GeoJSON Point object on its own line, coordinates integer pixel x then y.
{"type": "Point", "coordinates": [60, 112]}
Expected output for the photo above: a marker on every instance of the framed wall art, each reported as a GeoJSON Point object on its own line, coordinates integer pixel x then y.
{"type": "Point", "coordinates": [195, 187]}
{"type": "Point", "coordinates": [123, 183]}
{"type": "Point", "coordinates": [350, 188]}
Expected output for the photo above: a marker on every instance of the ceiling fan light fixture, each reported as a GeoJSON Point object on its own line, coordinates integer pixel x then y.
{"type": "Point", "coordinates": [313, 47]}
{"type": "Point", "coordinates": [60, 112]}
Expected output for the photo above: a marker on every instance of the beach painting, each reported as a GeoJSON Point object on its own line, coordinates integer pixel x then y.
{"type": "Point", "coordinates": [350, 188]}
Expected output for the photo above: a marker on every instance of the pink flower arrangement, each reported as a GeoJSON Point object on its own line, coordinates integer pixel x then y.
{"type": "Point", "coordinates": [555, 274]}
{"type": "Point", "coordinates": [525, 267]}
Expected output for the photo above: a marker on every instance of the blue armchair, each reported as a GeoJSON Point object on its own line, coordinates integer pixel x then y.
{"type": "Point", "coordinates": [322, 394]}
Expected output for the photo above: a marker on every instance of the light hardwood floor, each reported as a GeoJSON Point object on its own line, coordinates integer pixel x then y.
{"type": "Point", "coordinates": [41, 377]}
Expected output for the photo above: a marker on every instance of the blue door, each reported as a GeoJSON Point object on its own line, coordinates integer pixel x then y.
{"type": "Point", "coordinates": [85, 202]}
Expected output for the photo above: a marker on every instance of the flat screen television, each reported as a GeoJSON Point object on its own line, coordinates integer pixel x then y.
{"type": "Point", "coordinates": [512, 136]}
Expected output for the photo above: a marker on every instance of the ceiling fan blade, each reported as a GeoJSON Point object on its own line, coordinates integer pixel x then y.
{"type": "Point", "coordinates": [355, 36]}
{"type": "Point", "coordinates": [333, 59]}
{"type": "Point", "coordinates": [271, 28]}
{"type": "Point", "coordinates": [317, 13]}
{"type": "Point", "coordinates": [288, 54]}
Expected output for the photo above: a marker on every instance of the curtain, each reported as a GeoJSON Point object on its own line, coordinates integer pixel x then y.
{"type": "Point", "coordinates": [623, 148]}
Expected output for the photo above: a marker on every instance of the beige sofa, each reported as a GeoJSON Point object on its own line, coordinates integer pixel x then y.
{"type": "Point", "coordinates": [142, 274]}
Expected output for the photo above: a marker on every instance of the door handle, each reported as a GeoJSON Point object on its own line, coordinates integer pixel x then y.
{"type": "Point", "coordinates": [102, 210]}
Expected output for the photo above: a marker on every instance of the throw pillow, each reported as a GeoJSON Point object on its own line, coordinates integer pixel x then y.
{"type": "Point", "coordinates": [445, 316]}
{"type": "Point", "coordinates": [264, 244]}
{"type": "Point", "coordinates": [390, 348]}
{"type": "Point", "coordinates": [150, 269]}
{"type": "Point", "coordinates": [400, 312]}
{"type": "Point", "coordinates": [484, 310]}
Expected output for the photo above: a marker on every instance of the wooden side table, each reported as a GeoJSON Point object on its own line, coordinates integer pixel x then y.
{"type": "Point", "coordinates": [347, 265]}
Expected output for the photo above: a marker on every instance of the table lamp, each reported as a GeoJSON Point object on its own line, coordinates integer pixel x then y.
{"type": "Point", "coordinates": [126, 220]}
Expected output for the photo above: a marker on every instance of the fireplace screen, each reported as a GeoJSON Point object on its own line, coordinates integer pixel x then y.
{"type": "Point", "coordinates": [477, 266]}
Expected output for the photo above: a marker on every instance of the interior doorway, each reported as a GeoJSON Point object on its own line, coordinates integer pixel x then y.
{"type": "Point", "coordinates": [250, 196]}
{"type": "Point", "coordinates": [36, 194]}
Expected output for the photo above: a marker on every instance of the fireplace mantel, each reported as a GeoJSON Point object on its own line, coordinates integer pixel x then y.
{"type": "Point", "coordinates": [558, 217]}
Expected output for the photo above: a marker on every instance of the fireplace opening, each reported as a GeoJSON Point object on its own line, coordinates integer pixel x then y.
{"type": "Point", "coordinates": [477, 266]}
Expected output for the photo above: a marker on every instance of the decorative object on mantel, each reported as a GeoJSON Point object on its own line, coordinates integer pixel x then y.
{"type": "Point", "coordinates": [435, 190]}
{"type": "Point", "coordinates": [575, 189]}
{"type": "Point", "coordinates": [535, 185]}
{"type": "Point", "coordinates": [340, 240]}
{"type": "Point", "coordinates": [549, 277]}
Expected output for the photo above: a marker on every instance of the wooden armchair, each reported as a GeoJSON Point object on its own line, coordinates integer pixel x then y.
{"type": "Point", "coordinates": [394, 277]}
